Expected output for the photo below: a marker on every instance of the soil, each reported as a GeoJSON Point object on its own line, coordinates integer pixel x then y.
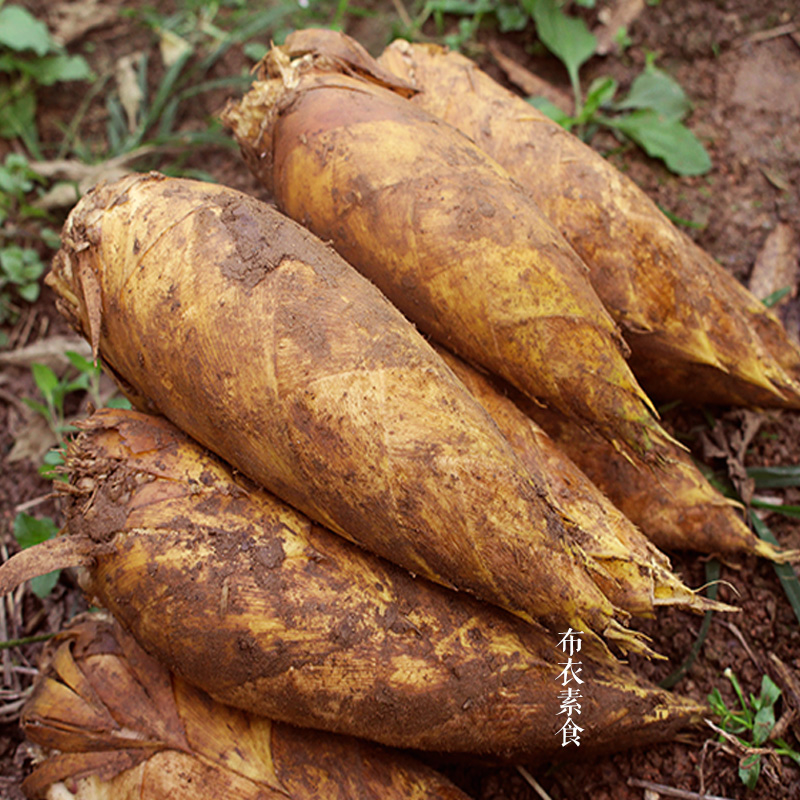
{"type": "Point", "coordinates": [739, 62]}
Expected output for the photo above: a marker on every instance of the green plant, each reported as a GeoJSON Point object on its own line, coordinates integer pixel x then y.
{"type": "Point", "coordinates": [54, 389]}
{"type": "Point", "coordinates": [30, 58]}
{"type": "Point", "coordinates": [20, 266]}
{"type": "Point", "coordinates": [191, 42]}
{"type": "Point", "coordinates": [752, 725]}
{"type": "Point", "coordinates": [29, 531]}
{"type": "Point", "coordinates": [20, 270]}
{"type": "Point", "coordinates": [649, 115]}
{"type": "Point", "coordinates": [17, 180]}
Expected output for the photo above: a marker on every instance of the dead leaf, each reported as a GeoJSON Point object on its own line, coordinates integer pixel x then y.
{"type": "Point", "coordinates": [621, 15]}
{"type": "Point", "coordinates": [776, 265]}
{"type": "Point", "coordinates": [62, 195]}
{"type": "Point", "coordinates": [777, 179]}
{"type": "Point", "coordinates": [172, 47]}
{"type": "Point", "coordinates": [50, 351]}
{"type": "Point", "coordinates": [32, 441]}
{"type": "Point", "coordinates": [84, 176]}
{"type": "Point", "coordinates": [70, 21]}
{"type": "Point", "coordinates": [130, 92]}
{"type": "Point", "coordinates": [532, 85]}
{"type": "Point", "coordinates": [730, 443]}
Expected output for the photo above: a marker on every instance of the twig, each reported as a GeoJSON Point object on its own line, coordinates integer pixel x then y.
{"type": "Point", "coordinates": [3, 637]}
{"type": "Point", "coordinates": [405, 18]}
{"type": "Point", "coordinates": [739, 745]}
{"type": "Point", "coordinates": [22, 331]}
{"type": "Point", "coordinates": [534, 783]}
{"type": "Point", "coordinates": [41, 637]}
{"type": "Point", "coordinates": [740, 636]}
{"type": "Point", "coordinates": [669, 791]}
{"type": "Point", "coordinates": [773, 33]}
{"type": "Point", "coordinates": [10, 711]}
{"type": "Point", "coordinates": [35, 502]}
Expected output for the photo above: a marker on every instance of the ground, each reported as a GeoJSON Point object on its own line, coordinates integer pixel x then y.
{"type": "Point", "coordinates": [739, 62]}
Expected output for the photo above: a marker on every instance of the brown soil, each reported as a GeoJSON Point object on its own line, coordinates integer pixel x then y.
{"type": "Point", "coordinates": [741, 68]}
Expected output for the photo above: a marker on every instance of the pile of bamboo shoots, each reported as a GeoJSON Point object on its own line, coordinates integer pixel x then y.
{"type": "Point", "coordinates": [390, 444]}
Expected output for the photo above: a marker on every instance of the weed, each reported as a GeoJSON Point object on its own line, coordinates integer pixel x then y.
{"type": "Point", "coordinates": [29, 531]}
{"type": "Point", "coordinates": [649, 115]}
{"type": "Point", "coordinates": [752, 725]}
{"type": "Point", "coordinates": [54, 389]}
{"type": "Point", "coordinates": [20, 267]}
{"type": "Point", "coordinates": [30, 58]}
{"type": "Point", "coordinates": [20, 270]}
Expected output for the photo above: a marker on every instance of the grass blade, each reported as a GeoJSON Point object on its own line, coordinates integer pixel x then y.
{"type": "Point", "coordinates": [785, 572]}
{"type": "Point", "coordinates": [787, 511]}
{"type": "Point", "coordinates": [713, 572]}
{"type": "Point", "coordinates": [775, 477]}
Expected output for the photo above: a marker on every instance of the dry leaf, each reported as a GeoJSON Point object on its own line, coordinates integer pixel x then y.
{"type": "Point", "coordinates": [776, 265]}
{"type": "Point", "coordinates": [32, 441]}
{"type": "Point", "coordinates": [83, 176]}
{"type": "Point", "coordinates": [130, 92]}
{"type": "Point", "coordinates": [50, 352]}
{"type": "Point", "coordinates": [612, 20]}
{"type": "Point", "coordinates": [172, 47]}
{"type": "Point", "coordinates": [731, 444]}
{"type": "Point", "coordinates": [70, 21]}
{"type": "Point", "coordinates": [532, 85]}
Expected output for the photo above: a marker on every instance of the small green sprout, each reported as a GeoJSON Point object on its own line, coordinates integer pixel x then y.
{"type": "Point", "coordinates": [752, 725]}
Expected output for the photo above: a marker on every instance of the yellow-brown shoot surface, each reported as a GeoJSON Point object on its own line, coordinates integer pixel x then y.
{"type": "Point", "coordinates": [695, 332]}
{"type": "Point", "coordinates": [265, 346]}
{"type": "Point", "coordinates": [445, 232]}
{"type": "Point", "coordinates": [116, 725]}
{"type": "Point", "coordinates": [246, 598]}
{"type": "Point", "coordinates": [635, 574]}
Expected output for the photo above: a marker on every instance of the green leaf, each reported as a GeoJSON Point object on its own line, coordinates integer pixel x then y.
{"type": "Point", "coordinates": [29, 292]}
{"type": "Point", "coordinates": [553, 111]}
{"type": "Point", "coordinates": [770, 691]}
{"type": "Point", "coordinates": [51, 238]}
{"type": "Point", "coordinates": [763, 724]}
{"type": "Point", "coordinates": [61, 67]}
{"type": "Point", "coordinates": [600, 93]}
{"type": "Point", "coordinates": [749, 770]}
{"type": "Point", "coordinates": [666, 139]}
{"type": "Point", "coordinates": [717, 703]}
{"type": "Point", "coordinates": [566, 37]}
{"type": "Point", "coordinates": [656, 90]}
{"type": "Point", "coordinates": [511, 18]}
{"type": "Point", "coordinates": [51, 463]}
{"type": "Point", "coordinates": [775, 297]}
{"type": "Point", "coordinates": [35, 405]}
{"type": "Point", "coordinates": [775, 477]}
{"type": "Point", "coordinates": [42, 585]}
{"type": "Point", "coordinates": [19, 116]}
{"type": "Point", "coordinates": [20, 30]}
{"type": "Point", "coordinates": [29, 530]}
{"type": "Point", "coordinates": [80, 363]}
{"type": "Point", "coordinates": [45, 379]}
{"type": "Point", "coordinates": [255, 50]}
{"type": "Point", "coordinates": [20, 265]}
{"type": "Point", "coordinates": [119, 402]}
